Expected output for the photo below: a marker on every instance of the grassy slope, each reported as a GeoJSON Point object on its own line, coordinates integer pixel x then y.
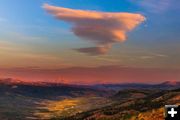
{"type": "Point", "coordinates": [25, 102]}
{"type": "Point", "coordinates": [133, 109]}
{"type": "Point", "coordinates": [136, 104]}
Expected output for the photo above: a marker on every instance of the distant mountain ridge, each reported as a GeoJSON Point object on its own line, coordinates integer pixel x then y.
{"type": "Point", "coordinates": [55, 89]}
{"type": "Point", "coordinates": [171, 83]}
{"type": "Point", "coordinates": [12, 81]}
{"type": "Point", "coordinates": [117, 87]}
{"type": "Point", "coordinates": [44, 90]}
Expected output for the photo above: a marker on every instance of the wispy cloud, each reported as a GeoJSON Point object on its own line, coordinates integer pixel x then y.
{"type": "Point", "coordinates": [154, 55]}
{"type": "Point", "coordinates": [3, 19]}
{"type": "Point", "coordinates": [13, 54]}
{"type": "Point", "coordinates": [156, 6]}
{"type": "Point", "coordinates": [103, 49]}
{"type": "Point", "coordinates": [95, 75]}
{"type": "Point", "coordinates": [102, 28]}
{"type": "Point", "coordinates": [108, 59]}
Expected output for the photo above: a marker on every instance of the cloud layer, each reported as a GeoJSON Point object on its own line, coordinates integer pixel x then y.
{"type": "Point", "coordinates": [156, 6]}
{"type": "Point", "coordinates": [94, 75]}
{"type": "Point", "coordinates": [102, 28]}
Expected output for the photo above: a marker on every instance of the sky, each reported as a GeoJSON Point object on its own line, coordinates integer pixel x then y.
{"type": "Point", "coordinates": [90, 41]}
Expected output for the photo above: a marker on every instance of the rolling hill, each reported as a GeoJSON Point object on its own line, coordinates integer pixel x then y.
{"type": "Point", "coordinates": [147, 107]}
{"type": "Point", "coordinates": [54, 101]}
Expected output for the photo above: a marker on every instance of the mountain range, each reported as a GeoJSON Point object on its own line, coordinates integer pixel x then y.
{"type": "Point", "coordinates": [56, 101]}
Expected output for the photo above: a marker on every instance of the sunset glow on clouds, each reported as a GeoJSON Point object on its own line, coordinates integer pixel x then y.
{"type": "Point", "coordinates": [90, 41]}
{"type": "Point", "coordinates": [95, 75]}
{"type": "Point", "coordinates": [102, 28]}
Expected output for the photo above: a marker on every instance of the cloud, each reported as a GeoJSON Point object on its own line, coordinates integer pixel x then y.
{"type": "Point", "coordinates": [154, 55]}
{"type": "Point", "coordinates": [102, 28]}
{"type": "Point", "coordinates": [95, 50]}
{"type": "Point", "coordinates": [3, 19]}
{"type": "Point", "coordinates": [95, 75]}
{"type": "Point", "coordinates": [156, 6]}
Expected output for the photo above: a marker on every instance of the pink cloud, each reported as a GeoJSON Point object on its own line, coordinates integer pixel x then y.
{"type": "Point", "coordinates": [102, 28]}
{"type": "Point", "coordinates": [94, 75]}
{"type": "Point", "coordinates": [99, 50]}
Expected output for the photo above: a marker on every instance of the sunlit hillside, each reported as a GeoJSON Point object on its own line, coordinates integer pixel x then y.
{"type": "Point", "coordinates": [146, 108]}
{"type": "Point", "coordinates": [69, 107]}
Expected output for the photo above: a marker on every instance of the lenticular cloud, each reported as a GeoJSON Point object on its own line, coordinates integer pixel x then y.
{"type": "Point", "coordinates": [102, 28]}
